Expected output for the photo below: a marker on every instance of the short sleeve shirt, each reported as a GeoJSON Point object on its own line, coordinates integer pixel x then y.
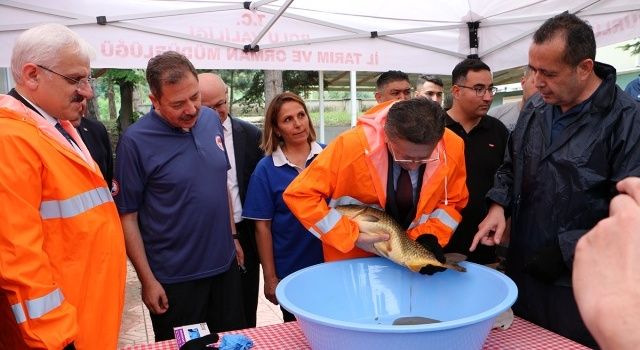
{"type": "Point", "coordinates": [294, 247]}
{"type": "Point", "coordinates": [177, 183]}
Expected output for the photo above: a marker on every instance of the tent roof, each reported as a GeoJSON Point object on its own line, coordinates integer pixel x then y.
{"type": "Point", "coordinates": [330, 35]}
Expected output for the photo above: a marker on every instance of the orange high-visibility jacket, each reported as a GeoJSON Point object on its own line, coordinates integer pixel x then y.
{"type": "Point", "coordinates": [62, 253]}
{"type": "Point", "coordinates": [353, 169]}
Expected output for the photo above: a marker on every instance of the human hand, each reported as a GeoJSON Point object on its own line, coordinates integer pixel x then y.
{"type": "Point", "coordinates": [606, 272]}
{"type": "Point", "coordinates": [490, 230]}
{"type": "Point", "coordinates": [239, 253]}
{"type": "Point", "coordinates": [368, 236]}
{"type": "Point", "coordinates": [270, 284]}
{"type": "Point", "coordinates": [430, 243]}
{"type": "Point", "coordinates": [154, 297]}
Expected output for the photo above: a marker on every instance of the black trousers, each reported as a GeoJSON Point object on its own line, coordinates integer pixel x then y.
{"type": "Point", "coordinates": [287, 316]}
{"type": "Point", "coordinates": [214, 300]}
{"type": "Point", "coordinates": [550, 306]}
{"type": "Point", "coordinates": [250, 278]}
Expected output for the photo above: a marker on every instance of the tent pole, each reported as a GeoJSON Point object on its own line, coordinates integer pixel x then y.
{"type": "Point", "coordinates": [474, 42]}
{"type": "Point", "coordinates": [272, 21]}
{"type": "Point", "coordinates": [6, 83]}
{"type": "Point", "coordinates": [321, 102]}
{"type": "Point", "coordinates": [354, 101]}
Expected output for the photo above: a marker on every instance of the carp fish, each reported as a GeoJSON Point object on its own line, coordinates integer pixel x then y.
{"type": "Point", "coordinates": [399, 248]}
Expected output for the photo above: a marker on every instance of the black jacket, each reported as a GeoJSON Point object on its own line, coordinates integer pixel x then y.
{"type": "Point", "coordinates": [246, 142]}
{"type": "Point", "coordinates": [95, 136]}
{"type": "Point", "coordinates": [557, 192]}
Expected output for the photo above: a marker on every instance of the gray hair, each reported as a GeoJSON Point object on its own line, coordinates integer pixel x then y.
{"type": "Point", "coordinates": [42, 45]}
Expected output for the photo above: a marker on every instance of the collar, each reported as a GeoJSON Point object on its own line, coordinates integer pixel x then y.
{"type": "Point", "coordinates": [44, 114]}
{"type": "Point", "coordinates": [448, 122]}
{"type": "Point", "coordinates": [161, 119]}
{"type": "Point", "coordinates": [227, 124]}
{"type": "Point", "coordinates": [279, 158]}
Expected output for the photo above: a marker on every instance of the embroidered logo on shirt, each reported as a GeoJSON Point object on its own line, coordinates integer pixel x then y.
{"type": "Point", "coordinates": [219, 142]}
{"type": "Point", "coordinates": [115, 188]}
{"type": "Point", "coordinates": [491, 145]}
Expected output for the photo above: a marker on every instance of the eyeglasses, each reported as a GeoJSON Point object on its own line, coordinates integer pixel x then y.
{"type": "Point", "coordinates": [481, 90]}
{"type": "Point", "coordinates": [413, 161]}
{"type": "Point", "coordinates": [79, 83]}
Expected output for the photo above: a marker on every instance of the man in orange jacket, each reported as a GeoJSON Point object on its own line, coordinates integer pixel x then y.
{"type": "Point", "coordinates": [62, 255]}
{"type": "Point", "coordinates": [366, 166]}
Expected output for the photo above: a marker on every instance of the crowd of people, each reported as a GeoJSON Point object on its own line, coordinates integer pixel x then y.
{"type": "Point", "coordinates": [200, 199]}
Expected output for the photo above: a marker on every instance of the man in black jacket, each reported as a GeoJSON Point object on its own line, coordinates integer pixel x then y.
{"type": "Point", "coordinates": [242, 140]}
{"type": "Point", "coordinates": [574, 141]}
{"type": "Point", "coordinates": [96, 138]}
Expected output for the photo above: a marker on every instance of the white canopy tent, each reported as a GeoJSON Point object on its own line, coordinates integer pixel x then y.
{"type": "Point", "coordinates": [328, 35]}
{"type": "Point", "coordinates": [372, 35]}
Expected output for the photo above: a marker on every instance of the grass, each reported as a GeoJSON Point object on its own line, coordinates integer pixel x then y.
{"type": "Point", "coordinates": [332, 118]}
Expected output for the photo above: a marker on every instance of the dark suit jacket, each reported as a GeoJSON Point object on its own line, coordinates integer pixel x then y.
{"type": "Point", "coordinates": [246, 142]}
{"type": "Point", "coordinates": [95, 137]}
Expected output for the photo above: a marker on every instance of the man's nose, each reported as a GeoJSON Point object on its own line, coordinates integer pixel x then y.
{"type": "Point", "coordinates": [86, 91]}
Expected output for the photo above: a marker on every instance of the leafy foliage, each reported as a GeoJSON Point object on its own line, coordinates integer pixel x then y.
{"type": "Point", "coordinates": [118, 76]}
{"type": "Point", "coordinates": [126, 79]}
{"type": "Point", "coordinates": [248, 85]}
{"type": "Point", "coordinates": [633, 47]}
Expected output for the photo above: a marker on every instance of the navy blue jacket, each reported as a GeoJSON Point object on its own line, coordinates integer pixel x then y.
{"type": "Point", "coordinates": [556, 192]}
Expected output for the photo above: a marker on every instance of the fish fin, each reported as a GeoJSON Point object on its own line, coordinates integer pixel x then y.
{"type": "Point", "coordinates": [384, 248]}
{"type": "Point", "coordinates": [415, 267]}
{"type": "Point", "coordinates": [367, 218]}
{"type": "Point", "coordinates": [455, 266]}
{"type": "Point", "coordinates": [454, 258]}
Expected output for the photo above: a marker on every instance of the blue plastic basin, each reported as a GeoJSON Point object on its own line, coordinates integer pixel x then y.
{"type": "Point", "coordinates": [352, 304]}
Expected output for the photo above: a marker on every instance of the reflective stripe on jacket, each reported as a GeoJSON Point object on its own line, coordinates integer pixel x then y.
{"type": "Point", "coordinates": [62, 255]}
{"type": "Point", "coordinates": [353, 169]}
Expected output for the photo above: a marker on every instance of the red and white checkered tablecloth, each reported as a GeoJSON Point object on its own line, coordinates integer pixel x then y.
{"type": "Point", "coordinates": [521, 335]}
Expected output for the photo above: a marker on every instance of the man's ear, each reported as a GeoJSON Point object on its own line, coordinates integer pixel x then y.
{"type": "Point", "coordinates": [585, 68]}
{"type": "Point", "coordinates": [154, 101]}
{"type": "Point", "coordinates": [455, 91]}
{"type": "Point", "coordinates": [31, 77]}
{"type": "Point", "coordinates": [378, 96]}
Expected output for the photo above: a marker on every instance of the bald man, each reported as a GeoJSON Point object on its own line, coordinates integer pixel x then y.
{"type": "Point", "coordinates": [242, 140]}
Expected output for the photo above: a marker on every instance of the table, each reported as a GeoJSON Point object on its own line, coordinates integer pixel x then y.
{"type": "Point", "coordinates": [521, 335]}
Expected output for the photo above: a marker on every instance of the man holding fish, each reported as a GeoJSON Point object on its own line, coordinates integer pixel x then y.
{"type": "Point", "coordinates": [399, 158]}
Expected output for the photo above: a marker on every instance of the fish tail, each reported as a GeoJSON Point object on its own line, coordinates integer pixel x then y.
{"type": "Point", "coordinates": [455, 266]}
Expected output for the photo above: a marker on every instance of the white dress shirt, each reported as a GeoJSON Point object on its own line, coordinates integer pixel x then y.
{"type": "Point", "coordinates": [232, 178]}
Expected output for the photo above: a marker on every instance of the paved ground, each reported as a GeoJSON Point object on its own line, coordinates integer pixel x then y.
{"type": "Point", "coordinates": [136, 326]}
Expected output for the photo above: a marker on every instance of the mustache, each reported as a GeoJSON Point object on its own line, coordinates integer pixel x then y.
{"type": "Point", "coordinates": [77, 98]}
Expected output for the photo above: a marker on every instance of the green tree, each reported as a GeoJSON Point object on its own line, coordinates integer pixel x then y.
{"type": "Point", "coordinates": [126, 79]}
{"type": "Point", "coordinates": [247, 86]}
{"type": "Point", "coordinates": [633, 47]}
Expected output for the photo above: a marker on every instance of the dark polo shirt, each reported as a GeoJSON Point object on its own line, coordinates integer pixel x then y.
{"type": "Point", "coordinates": [484, 148]}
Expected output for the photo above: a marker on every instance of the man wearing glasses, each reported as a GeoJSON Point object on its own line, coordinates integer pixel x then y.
{"type": "Point", "coordinates": [485, 139]}
{"type": "Point", "coordinates": [62, 249]}
{"type": "Point", "coordinates": [399, 158]}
